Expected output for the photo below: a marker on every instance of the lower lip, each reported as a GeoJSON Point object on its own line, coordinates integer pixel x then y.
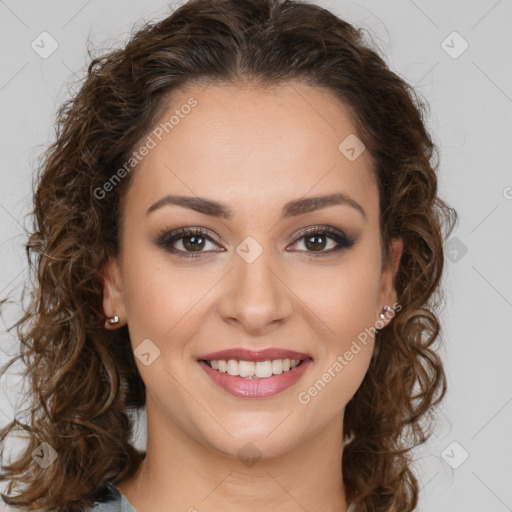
{"type": "Point", "coordinates": [256, 388]}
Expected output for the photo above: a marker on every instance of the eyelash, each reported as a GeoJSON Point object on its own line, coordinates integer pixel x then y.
{"type": "Point", "coordinates": [166, 239]}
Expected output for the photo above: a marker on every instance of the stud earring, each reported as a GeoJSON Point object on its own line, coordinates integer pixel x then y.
{"type": "Point", "coordinates": [113, 320]}
{"type": "Point", "coordinates": [383, 316]}
{"type": "Point", "coordinates": [386, 309]}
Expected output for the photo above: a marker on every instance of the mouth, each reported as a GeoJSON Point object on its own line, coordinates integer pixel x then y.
{"type": "Point", "coordinates": [254, 369]}
{"type": "Point", "coordinates": [255, 379]}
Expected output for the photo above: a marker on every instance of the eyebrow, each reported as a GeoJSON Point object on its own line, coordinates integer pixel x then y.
{"type": "Point", "coordinates": [290, 209]}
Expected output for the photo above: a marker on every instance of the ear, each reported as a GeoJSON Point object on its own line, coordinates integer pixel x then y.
{"type": "Point", "coordinates": [387, 292]}
{"type": "Point", "coordinates": [113, 302]}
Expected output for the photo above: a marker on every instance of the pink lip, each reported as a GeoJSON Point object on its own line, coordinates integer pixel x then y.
{"type": "Point", "coordinates": [252, 355]}
{"type": "Point", "coordinates": [256, 388]}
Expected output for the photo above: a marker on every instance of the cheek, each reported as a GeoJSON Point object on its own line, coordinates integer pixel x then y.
{"type": "Point", "coordinates": [164, 301]}
{"type": "Point", "coordinates": [343, 298]}
{"type": "Point", "coordinates": [156, 295]}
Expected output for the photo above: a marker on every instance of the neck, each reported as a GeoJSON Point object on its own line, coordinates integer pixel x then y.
{"type": "Point", "coordinates": [181, 473]}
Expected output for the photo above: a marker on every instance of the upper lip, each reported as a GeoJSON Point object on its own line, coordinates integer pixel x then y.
{"type": "Point", "coordinates": [253, 355]}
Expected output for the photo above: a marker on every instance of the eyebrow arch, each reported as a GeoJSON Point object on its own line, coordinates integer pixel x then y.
{"type": "Point", "coordinates": [290, 209]}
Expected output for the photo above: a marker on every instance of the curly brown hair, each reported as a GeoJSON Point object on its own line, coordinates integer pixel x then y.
{"type": "Point", "coordinates": [83, 378]}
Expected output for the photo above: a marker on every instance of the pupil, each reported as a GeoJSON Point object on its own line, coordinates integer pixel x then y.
{"type": "Point", "coordinates": [186, 242]}
{"type": "Point", "coordinates": [315, 245]}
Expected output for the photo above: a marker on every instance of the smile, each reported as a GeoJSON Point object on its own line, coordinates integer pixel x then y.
{"type": "Point", "coordinates": [255, 379]}
{"type": "Point", "coordinates": [254, 369]}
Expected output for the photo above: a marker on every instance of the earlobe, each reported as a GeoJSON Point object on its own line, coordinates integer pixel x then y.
{"type": "Point", "coordinates": [113, 303]}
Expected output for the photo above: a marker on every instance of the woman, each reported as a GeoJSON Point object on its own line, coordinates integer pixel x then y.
{"type": "Point", "coordinates": [238, 228]}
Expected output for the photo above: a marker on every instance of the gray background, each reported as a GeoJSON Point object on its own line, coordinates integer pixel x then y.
{"type": "Point", "coordinates": [470, 95]}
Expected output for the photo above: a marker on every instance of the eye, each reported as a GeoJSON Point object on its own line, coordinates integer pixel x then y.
{"type": "Point", "coordinates": [316, 239]}
{"type": "Point", "coordinates": [192, 240]}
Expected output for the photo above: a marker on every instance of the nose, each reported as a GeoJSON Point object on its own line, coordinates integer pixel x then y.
{"type": "Point", "coordinates": [256, 294]}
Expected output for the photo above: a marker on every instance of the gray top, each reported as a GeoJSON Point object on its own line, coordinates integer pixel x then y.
{"type": "Point", "coordinates": [118, 502]}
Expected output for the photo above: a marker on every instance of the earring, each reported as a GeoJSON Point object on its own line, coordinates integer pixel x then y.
{"type": "Point", "coordinates": [383, 316]}
{"type": "Point", "coordinates": [386, 309]}
{"type": "Point", "coordinates": [113, 320]}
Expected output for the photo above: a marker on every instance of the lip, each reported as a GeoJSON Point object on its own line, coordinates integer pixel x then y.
{"type": "Point", "coordinates": [256, 388]}
{"type": "Point", "coordinates": [253, 355]}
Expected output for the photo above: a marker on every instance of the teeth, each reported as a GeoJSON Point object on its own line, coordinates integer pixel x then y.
{"type": "Point", "coordinates": [251, 369]}
{"type": "Point", "coordinates": [232, 367]}
{"type": "Point", "coordinates": [263, 369]}
{"type": "Point", "coordinates": [277, 366]}
{"type": "Point", "coordinates": [246, 368]}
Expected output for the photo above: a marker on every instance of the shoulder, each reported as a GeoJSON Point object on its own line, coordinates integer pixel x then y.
{"type": "Point", "coordinates": [111, 506]}
{"type": "Point", "coordinates": [112, 501]}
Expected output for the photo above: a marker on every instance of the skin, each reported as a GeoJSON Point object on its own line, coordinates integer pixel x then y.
{"type": "Point", "coordinates": [255, 150]}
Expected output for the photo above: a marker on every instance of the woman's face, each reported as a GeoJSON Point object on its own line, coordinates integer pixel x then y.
{"type": "Point", "coordinates": [252, 280]}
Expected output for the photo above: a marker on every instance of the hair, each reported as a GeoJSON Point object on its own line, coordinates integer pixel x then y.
{"type": "Point", "coordinates": [83, 378]}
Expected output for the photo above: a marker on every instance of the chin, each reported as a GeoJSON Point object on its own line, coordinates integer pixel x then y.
{"type": "Point", "coordinates": [252, 446]}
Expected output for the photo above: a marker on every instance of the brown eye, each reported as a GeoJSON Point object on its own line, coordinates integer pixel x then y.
{"type": "Point", "coordinates": [192, 241]}
{"type": "Point", "coordinates": [317, 239]}
{"type": "Point", "coordinates": [315, 242]}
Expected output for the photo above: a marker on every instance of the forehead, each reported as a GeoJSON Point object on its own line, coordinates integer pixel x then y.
{"type": "Point", "coordinates": [241, 143]}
